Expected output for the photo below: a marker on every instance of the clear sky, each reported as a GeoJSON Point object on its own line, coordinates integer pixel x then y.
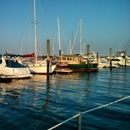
{"type": "Point", "coordinates": [105, 25]}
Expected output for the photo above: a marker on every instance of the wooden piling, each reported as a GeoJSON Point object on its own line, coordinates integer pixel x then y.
{"type": "Point", "coordinates": [97, 58]}
{"type": "Point", "coordinates": [110, 58]}
{"type": "Point", "coordinates": [48, 57]}
{"type": "Point", "coordinates": [79, 122]}
{"type": "Point", "coordinates": [59, 52]}
{"type": "Point", "coordinates": [88, 54]}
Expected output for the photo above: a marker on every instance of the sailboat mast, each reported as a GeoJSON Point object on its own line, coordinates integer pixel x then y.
{"type": "Point", "coordinates": [59, 36]}
{"type": "Point", "coordinates": [72, 44]}
{"type": "Point", "coordinates": [35, 33]}
{"type": "Point", "coordinates": [53, 47]}
{"type": "Point", "coordinates": [81, 36]}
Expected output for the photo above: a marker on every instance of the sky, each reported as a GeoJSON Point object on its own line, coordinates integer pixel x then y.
{"type": "Point", "coordinates": [105, 25]}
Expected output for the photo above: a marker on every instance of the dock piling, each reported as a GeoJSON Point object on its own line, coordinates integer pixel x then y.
{"type": "Point", "coordinates": [110, 58]}
{"type": "Point", "coordinates": [88, 53]}
{"type": "Point", "coordinates": [48, 57]}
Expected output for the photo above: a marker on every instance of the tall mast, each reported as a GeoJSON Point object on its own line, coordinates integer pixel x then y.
{"type": "Point", "coordinates": [53, 47]}
{"type": "Point", "coordinates": [59, 36]}
{"type": "Point", "coordinates": [72, 44]}
{"type": "Point", "coordinates": [35, 35]}
{"type": "Point", "coordinates": [81, 37]}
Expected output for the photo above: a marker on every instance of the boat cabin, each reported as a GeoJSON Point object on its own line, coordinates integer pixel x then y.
{"type": "Point", "coordinates": [71, 59]}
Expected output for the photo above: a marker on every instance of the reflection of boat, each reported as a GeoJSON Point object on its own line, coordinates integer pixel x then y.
{"type": "Point", "coordinates": [77, 64]}
{"type": "Point", "coordinates": [38, 66]}
{"type": "Point", "coordinates": [11, 67]}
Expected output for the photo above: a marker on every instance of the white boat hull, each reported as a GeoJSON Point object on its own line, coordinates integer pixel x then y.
{"type": "Point", "coordinates": [11, 68]}
{"type": "Point", "coordinates": [41, 69]}
{"type": "Point", "coordinates": [6, 72]}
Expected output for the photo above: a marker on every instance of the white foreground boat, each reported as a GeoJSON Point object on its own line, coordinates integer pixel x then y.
{"type": "Point", "coordinates": [39, 67]}
{"type": "Point", "coordinates": [9, 69]}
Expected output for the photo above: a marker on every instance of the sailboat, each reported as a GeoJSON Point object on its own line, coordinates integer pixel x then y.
{"type": "Point", "coordinates": [39, 67]}
{"type": "Point", "coordinates": [76, 62]}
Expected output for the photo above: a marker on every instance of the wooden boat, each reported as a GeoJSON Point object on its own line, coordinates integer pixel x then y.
{"type": "Point", "coordinates": [76, 63]}
{"type": "Point", "coordinates": [62, 67]}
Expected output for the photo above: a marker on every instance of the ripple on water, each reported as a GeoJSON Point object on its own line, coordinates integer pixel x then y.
{"type": "Point", "coordinates": [37, 104]}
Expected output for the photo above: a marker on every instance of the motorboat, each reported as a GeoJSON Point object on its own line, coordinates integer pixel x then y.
{"type": "Point", "coordinates": [11, 67]}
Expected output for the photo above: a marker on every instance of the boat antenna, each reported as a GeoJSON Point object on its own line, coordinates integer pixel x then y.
{"type": "Point", "coordinates": [126, 45]}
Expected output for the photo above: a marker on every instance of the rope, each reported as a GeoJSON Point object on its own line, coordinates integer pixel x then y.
{"type": "Point", "coordinates": [88, 111]}
{"type": "Point", "coordinates": [105, 105]}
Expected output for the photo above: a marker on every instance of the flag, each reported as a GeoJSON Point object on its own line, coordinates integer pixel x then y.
{"type": "Point", "coordinates": [29, 55]}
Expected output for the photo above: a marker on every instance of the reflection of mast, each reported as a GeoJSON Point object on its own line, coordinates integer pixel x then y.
{"type": "Point", "coordinates": [59, 36]}
{"type": "Point", "coordinates": [71, 45]}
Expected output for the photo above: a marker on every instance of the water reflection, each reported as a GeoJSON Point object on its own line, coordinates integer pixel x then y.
{"type": "Point", "coordinates": [10, 92]}
{"type": "Point", "coordinates": [48, 97]}
{"type": "Point", "coordinates": [11, 97]}
{"type": "Point", "coordinates": [15, 92]}
{"type": "Point", "coordinates": [109, 84]}
{"type": "Point", "coordinates": [38, 102]}
{"type": "Point", "coordinates": [88, 89]}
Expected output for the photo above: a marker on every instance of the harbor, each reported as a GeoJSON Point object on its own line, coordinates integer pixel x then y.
{"type": "Point", "coordinates": [65, 65]}
{"type": "Point", "coordinates": [37, 104]}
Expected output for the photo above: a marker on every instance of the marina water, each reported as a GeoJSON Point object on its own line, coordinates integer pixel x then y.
{"type": "Point", "coordinates": [35, 104]}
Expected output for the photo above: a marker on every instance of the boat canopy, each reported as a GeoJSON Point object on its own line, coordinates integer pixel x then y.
{"type": "Point", "coordinates": [11, 55]}
{"type": "Point", "coordinates": [12, 64]}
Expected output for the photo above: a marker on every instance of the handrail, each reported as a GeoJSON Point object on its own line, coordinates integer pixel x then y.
{"type": "Point", "coordinates": [79, 115]}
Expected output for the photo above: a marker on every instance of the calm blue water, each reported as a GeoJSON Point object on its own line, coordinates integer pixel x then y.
{"type": "Point", "coordinates": [34, 104]}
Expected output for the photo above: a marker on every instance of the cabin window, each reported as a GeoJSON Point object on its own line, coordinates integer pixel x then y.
{"type": "Point", "coordinates": [115, 60]}
{"type": "Point", "coordinates": [74, 59]}
{"type": "Point", "coordinates": [69, 58]}
{"type": "Point", "coordinates": [63, 58]}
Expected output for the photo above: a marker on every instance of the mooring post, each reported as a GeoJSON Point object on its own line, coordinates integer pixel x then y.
{"type": "Point", "coordinates": [97, 57]}
{"type": "Point", "coordinates": [79, 121]}
{"type": "Point", "coordinates": [59, 52]}
{"type": "Point", "coordinates": [110, 58]}
{"type": "Point", "coordinates": [88, 53]}
{"type": "Point", "coordinates": [48, 57]}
